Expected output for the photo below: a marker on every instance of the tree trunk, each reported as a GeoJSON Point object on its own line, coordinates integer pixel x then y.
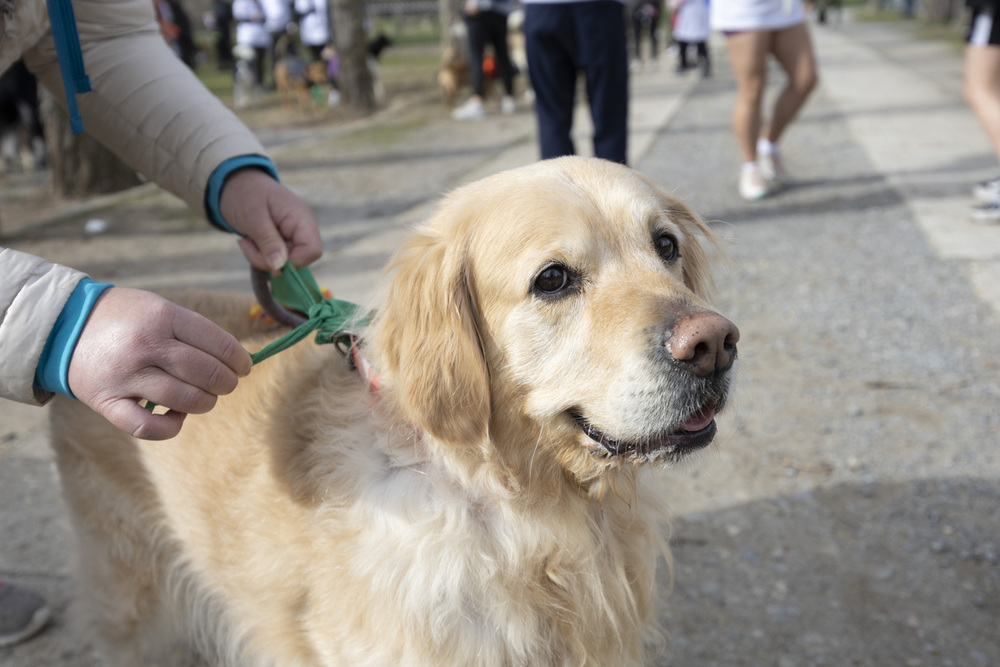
{"type": "Point", "coordinates": [78, 164]}
{"type": "Point", "coordinates": [450, 13]}
{"type": "Point", "coordinates": [355, 78]}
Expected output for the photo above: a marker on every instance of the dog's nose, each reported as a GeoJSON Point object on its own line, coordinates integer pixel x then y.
{"type": "Point", "coordinates": [703, 342]}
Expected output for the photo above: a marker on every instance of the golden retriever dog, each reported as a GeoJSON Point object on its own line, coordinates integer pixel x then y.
{"type": "Point", "coordinates": [544, 347]}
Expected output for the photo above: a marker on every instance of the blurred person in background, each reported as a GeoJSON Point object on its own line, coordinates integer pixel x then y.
{"type": "Point", "coordinates": [645, 16]}
{"type": "Point", "coordinates": [486, 23]}
{"type": "Point", "coordinates": [314, 26]}
{"type": "Point", "coordinates": [252, 38]}
{"type": "Point", "coordinates": [755, 30]}
{"type": "Point", "coordinates": [175, 24]}
{"type": "Point", "coordinates": [564, 38]}
{"type": "Point", "coordinates": [220, 21]}
{"type": "Point", "coordinates": [277, 22]}
{"type": "Point", "coordinates": [691, 28]}
{"type": "Point", "coordinates": [982, 92]}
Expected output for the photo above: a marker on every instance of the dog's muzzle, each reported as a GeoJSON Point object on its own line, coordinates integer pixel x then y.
{"type": "Point", "coordinates": [694, 433]}
{"type": "Point", "coordinates": [701, 350]}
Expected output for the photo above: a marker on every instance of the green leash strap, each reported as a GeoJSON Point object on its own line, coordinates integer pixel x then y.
{"type": "Point", "coordinates": [330, 318]}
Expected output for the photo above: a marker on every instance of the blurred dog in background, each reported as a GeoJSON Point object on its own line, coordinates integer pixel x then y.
{"type": "Point", "coordinates": [22, 142]}
{"type": "Point", "coordinates": [296, 79]}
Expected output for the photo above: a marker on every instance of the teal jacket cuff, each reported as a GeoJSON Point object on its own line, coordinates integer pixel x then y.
{"type": "Point", "coordinates": [52, 372]}
{"type": "Point", "coordinates": [218, 179]}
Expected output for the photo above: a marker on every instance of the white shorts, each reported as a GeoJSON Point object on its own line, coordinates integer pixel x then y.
{"type": "Point", "coordinates": [742, 15]}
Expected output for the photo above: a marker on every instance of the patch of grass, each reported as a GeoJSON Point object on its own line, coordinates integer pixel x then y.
{"type": "Point", "coordinates": [218, 82]}
{"type": "Point", "coordinates": [869, 13]}
{"type": "Point", "coordinates": [950, 32]}
{"type": "Point", "coordinates": [409, 31]}
{"type": "Point", "coordinates": [381, 134]}
{"type": "Point", "coordinates": [942, 32]}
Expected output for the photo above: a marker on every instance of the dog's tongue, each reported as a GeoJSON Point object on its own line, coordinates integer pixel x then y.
{"type": "Point", "coordinates": [698, 420]}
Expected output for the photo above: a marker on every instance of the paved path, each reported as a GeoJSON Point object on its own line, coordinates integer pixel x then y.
{"type": "Point", "coordinates": [848, 515]}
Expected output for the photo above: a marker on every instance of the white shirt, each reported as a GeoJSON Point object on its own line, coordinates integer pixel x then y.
{"type": "Point", "coordinates": [313, 27]}
{"type": "Point", "coordinates": [691, 22]}
{"type": "Point", "coordinates": [277, 14]}
{"type": "Point", "coordinates": [250, 31]}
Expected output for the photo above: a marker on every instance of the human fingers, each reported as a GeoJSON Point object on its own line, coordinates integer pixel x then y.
{"type": "Point", "coordinates": [201, 347]}
{"type": "Point", "coordinates": [128, 340]}
{"type": "Point", "coordinates": [287, 233]}
{"type": "Point", "coordinates": [298, 228]}
{"type": "Point", "coordinates": [194, 379]}
{"type": "Point", "coordinates": [127, 415]}
{"type": "Point", "coordinates": [277, 224]}
{"type": "Point", "coordinates": [162, 388]}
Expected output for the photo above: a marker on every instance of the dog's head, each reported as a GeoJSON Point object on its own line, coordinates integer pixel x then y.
{"type": "Point", "coordinates": [557, 316]}
{"type": "Point", "coordinates": [379, 44]}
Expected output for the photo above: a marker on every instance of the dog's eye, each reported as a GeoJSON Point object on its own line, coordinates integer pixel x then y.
{"type": "Point", "coordinates": [553, 280]}
{"type": "Point", "coordinates": [666, 247]}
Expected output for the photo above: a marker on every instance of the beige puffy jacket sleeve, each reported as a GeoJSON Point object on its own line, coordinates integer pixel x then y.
{"type": "Point", "coordinates": [32, 294]}
{"type": "Point", "coordinates": [147, 107]}
{"type": "Point", "coordinates": [143, 105]}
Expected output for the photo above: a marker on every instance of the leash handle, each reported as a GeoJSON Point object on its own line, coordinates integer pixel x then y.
{"type": "Point", "coordinates": [261, 282]}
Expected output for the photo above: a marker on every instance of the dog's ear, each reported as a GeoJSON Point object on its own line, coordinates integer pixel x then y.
{"type": "Point", "coordinates": [427, 337]}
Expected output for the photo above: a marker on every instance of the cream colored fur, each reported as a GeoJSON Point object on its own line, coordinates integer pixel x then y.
{"type": "Point", "coordinates": [458, 517]}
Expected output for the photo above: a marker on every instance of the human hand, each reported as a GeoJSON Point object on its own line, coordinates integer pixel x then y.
{"type": "Point", "coordinates": [137, 345]}
{"type": "Point", "coordinates": [278, 226]}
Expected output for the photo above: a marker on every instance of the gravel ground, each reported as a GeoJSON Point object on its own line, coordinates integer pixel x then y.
{"type": "Point", "coordinates": [848, 514]}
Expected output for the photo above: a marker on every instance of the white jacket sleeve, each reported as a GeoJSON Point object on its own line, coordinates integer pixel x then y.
{"type": "Point", "coordinates": [145, 105]}
{"type": "Point", "coordinates": [32, 295]}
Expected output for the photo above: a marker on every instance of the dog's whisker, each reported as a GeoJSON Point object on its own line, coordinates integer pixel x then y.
{"type": "Point", "coordinates": [531, 461]}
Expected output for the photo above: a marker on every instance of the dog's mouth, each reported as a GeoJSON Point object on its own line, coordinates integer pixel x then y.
{"type": "Point", "coordinates": [692, 434]}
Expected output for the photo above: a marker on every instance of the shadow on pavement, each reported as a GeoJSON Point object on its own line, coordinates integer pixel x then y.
{"type": "Point", "coordinates": [903, 573]}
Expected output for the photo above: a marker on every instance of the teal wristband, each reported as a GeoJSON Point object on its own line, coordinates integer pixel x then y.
{"type": "Point", "coordinates": [52, 372]}
{"type": "Point", "coordinates": [213, 192]}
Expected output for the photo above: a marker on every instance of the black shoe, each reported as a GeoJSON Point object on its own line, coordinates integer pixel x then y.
{"type": "Point", "coordinates": [23, 614]}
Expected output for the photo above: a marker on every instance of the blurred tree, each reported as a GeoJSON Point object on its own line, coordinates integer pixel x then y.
{"type": "Point", "coordinates": [355, 79]}
{"type": "Point", "coordinates": [78, 164]}
{"type": "Point", "coordinates": [450, 14]}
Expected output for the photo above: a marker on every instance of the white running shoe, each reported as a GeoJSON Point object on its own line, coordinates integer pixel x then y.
{"type": "Point", "coordinates": [987, 213]}
{"type": "Point", "coordinates": [987, 191]}
{"type": "Point", "coordinates": [471, 110]}
{"type": "Point", "coordinates": [773, 170]}
{"type": "Point", "coordinates": [753, 185]}
{"type": "Point", "coordinates": [507, 105]}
